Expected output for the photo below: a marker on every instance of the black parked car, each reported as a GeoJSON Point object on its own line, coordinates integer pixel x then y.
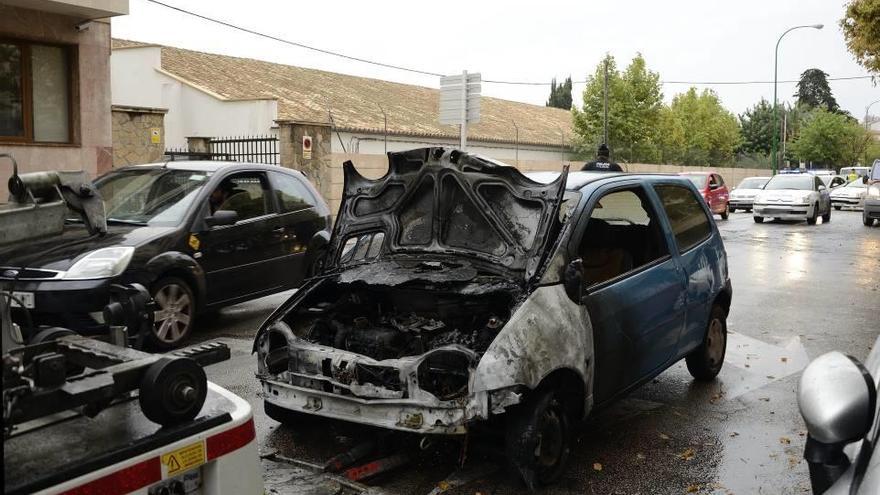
{"type": "Point", "coordinates": [200, 235]}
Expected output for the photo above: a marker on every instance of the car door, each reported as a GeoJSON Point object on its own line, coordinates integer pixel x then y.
{"type": "Point", "coordinates": [824, 195]}
{"type": "Point", "coordinates": [633, 287]}
{"type": "Point", "coordinates": [300, 219]}
{"type": "Point", "coordinates": [691, 227]}
{"type": "Point", "coordinates": [240, 259]}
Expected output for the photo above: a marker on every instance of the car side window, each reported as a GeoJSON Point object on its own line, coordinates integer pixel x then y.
{"type": "Point", "coordinates": [690, 224]}
{"type": "Point", "coordinates": [244, 193]}
{"type": "Point", "coordinates": [816, 183]}
{"type": "Point", "coordinates": [713, 181]}
{"type": "Point", "coordinates": [622, 235]}
{"type": "Point", "coordinates": [292, 194]}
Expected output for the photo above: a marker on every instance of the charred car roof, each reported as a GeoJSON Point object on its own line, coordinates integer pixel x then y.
{"type": "Point", "coordinates": [445, 203]}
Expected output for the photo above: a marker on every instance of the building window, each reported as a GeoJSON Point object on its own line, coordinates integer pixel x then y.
{"type": "Point", "coordinates": [35, 92]}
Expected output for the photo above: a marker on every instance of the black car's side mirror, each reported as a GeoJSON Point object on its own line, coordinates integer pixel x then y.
{"type": "Point", "coordinates": [573, 279]}
{"type": "Point", "coordinates": [221, 217]}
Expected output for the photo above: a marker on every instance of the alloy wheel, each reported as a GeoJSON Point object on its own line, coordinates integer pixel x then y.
{"type": "Point", "coordinates": [174, 313]}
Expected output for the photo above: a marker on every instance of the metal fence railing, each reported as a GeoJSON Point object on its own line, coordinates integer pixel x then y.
{"type": "Point", "coordinates": [253, 149]}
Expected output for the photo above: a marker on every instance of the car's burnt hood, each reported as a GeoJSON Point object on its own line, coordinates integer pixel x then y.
{"type": "Point", "coordinates": [445, 204]}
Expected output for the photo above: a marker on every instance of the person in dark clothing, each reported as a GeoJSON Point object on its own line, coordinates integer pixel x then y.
{"type": "Point", "coordinates": [602, 163]}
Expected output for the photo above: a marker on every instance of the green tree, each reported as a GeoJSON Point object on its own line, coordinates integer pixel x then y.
{"type": "Point", "coordinates": [830, 139]}
{"type": "Point", "coordinates": [861, 29]}
{"type": "Point", "coordinates": [813, 91]}
{"type": "Point", "coordinates": [756, 125]}
{"type": "Point", "coordinates": [711, 133]}
{"type": "Point", "coordinates": [560, 96]}
{"type": "Point", "coordinates": [635, 102]}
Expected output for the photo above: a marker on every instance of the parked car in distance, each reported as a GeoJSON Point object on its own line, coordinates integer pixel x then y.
{"type": "Point", "coordinates": [793, 197]}
{"type": "Point", "coordinates": [852, 195]}
{"type": "Point", "coordinates": [871, 210]}
{"type": "Point", "coordinates": [199, 234]}
{"type": "Point", "coordinates": [837, 398]}
{"type": "Point", "coordinates": [743, 195]}
{"type": "Point", "coordinates": [457, 289]}
{"type": "Point", "coordinates": [713, 190]}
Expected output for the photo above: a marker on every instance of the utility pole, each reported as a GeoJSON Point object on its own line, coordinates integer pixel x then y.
{"type": "Point", "coordinates": [784, 124]}
{"type": "Point", "coordinates": [605, 97]}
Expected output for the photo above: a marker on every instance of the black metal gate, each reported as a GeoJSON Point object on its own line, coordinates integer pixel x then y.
{"type": "Point", "coordinates": [255, 149]}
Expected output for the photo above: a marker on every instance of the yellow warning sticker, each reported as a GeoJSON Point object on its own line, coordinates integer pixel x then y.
{"type": "Point", "coordinates": [184, 458]}
{"type": "Point", "coordinates": [194, 242]}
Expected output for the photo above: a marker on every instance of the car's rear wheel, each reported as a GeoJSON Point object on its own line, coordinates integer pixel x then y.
{"type": "Point", "coordinates": [704, 363]}
{"type": "Point", "coordinates": [538, 438]}
{"type": "Point", "coordinates": [758, 219]}
{"type": "Point", "coordinates": [175, 313]}
{"type": "Point", "coordinates": [837, 207]}
{"type": "Point", "coordinates": [731, 210]}
{"type": "Point", "coordinates": [811, 220]}
{"type": "Point", "coordinates": [726, 212]}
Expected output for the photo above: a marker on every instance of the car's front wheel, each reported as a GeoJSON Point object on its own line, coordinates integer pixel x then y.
{"type": "Point", "coordinates": [704, 363]}
{"type": "Point", "coordinates": [538, 438]}
{"type": "Point", "coordinates": [175, 313]}
{"type": "Point", "coordinates": [811, 220]}
{"type": "Point", "coordinates": [758, 219]}
{"type": "Point", "coordinates": [731, 210]}
{"type": "Point", "coordinates": [827, 216]}
{"type": "Point", "coordinates": [726, 212]}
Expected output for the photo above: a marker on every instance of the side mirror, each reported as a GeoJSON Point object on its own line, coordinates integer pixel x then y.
{"type": "Point", "coordinates": [837, 399]}
{"type": "Point", "coordinates": [222, 217]}
{"type": "Point", "coordinates": [864, 179]}
{"type": "Point", "coordinates": [573, 279]}
{"type": "Point", "coordinates": [822, 188]}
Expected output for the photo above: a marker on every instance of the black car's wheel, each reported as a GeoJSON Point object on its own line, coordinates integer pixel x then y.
{"type": "Point", "coordinates": [811, 220]}
{"type": "Point", "coordinates": [868, 221]}
{"type": "Point", "coordinates": [731, 210]}
{"type": "Point", "coordinates": [704, 363]}
{"type": "Point", "coordinates": [827, 216]}
{"type": "Point", "coordinates": [726, 212]}
{"type": "Point", "coordinates": [538, 438]}
{"type": "Point", "coordinates": [837, 207]}
{"type": "Point", "coordinates": [758, 219]}
{"type": "Point", "coordinates": [175, 313]}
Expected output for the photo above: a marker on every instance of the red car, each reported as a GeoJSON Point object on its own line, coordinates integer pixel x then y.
{"type": "Point", "coordinates": [713, 190]}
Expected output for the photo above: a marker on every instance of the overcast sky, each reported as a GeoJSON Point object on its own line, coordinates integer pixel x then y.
{"type": "Point", "coordinates": [683, 40]}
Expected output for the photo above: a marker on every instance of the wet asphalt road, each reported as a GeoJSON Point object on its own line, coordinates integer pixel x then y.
{"type": "Point", "coordinates": [799, 291]}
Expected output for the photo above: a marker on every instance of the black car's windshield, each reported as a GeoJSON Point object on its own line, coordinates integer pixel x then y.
{"type": "Point", "coordinates": [151, 196]}
{"type": "Point", "coordinates": [752, 183]}
{"type": "Point", "coordinates": [801, 182]}
{"type": "Point", "coordinates": [698, 180]}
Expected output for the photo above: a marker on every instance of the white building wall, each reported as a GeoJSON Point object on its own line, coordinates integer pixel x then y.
{"type": "Point", "coordinates": [136, 80]}
{"type": "Point", "coordinates": [374, 144]}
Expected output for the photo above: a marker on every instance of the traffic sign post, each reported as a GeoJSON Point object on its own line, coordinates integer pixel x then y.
{"type": "Point", "coordinates": [460, 102]}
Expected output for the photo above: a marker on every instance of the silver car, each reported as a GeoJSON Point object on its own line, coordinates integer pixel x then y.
{"type": "Point", "coordinates": [837, 397]}
{"type": "Point", "coordinates": [793, 197]}
{"type": "Point", "coordinates": [851, 195]}
{"type": "Point", "coordinates": [743, 195]}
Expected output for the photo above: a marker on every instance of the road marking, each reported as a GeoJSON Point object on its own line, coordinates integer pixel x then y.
{"type": "Point", "coordinates": [762, 363]}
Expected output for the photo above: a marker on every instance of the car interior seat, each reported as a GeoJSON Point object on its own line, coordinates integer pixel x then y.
{"type": "Point", "coordinates": [603, 257]}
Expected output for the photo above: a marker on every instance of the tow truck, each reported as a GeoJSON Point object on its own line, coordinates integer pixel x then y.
{"type": "Point", "coordinates": [86, 415]}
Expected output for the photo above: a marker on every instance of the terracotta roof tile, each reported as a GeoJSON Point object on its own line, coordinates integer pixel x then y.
{"type": "Point", "coordinates": [306, 94]}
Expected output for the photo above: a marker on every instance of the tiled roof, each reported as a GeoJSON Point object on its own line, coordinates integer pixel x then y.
{"type": "Point", "coordinates": [307, 94]}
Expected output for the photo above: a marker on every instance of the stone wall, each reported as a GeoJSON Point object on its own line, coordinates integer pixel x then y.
{"type": "Point", "coordinates": [138, 135]}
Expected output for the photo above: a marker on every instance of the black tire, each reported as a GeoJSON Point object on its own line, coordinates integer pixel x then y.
{"type": "Point", "coordinates": [731, 210]}
{"type": "Point", "coordinates": [726, 213]}
{"type": "Point", "coordinates": [173, 390]}
{"type": "Point", "coordinates": [827, 216]}
{"type": "Point", "coordinates": [538, 438]}
{"type": "Point", "coordinates": [55, 333]}
{"type": "Point", "coordinates": [748, 210]}
{"type": "Point", "coordinates": [758, 219]}
{"type": "Point", "coordinates": [175, 313]}
{"type": "Point", "coordinates": [705, 362]}
{"type": "Point", "coordinates": [811, 220]}
{"type": "Point", "coordinates": [837, 207]}
{"type": "Point", "coordinates": [868, 221]}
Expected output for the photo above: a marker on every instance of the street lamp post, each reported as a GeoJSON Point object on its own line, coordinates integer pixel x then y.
{"type": "Point", "coordinates": [773, 158]}
{"type": "Point", "coordinates": [867, 108]}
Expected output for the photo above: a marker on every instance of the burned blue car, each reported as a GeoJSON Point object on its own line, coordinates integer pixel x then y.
{"type": "Point", "coordinates": [455, 289]}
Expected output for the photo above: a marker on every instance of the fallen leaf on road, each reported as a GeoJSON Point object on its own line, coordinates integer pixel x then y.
{"type": "Point", "coordinates": [687, 455]}
{"type": "Point", "coordinates": [784, 359]}
{"type": "Point", "coordinates": [765, 399]}
{"type": "Point", "coordinates": [693, 488]}
{"type": "Point", "coordinates": [664, 436]}
{"type": "Point", "coordinates": [597, 466]}
{"type": "Point", "coordinates": [771, 377]}
{"type": "Point", "coordinates": [734, 434]}
{"type": "Point", "coordinates": [640, 456]}
{"type": "Point", "coordinates": [785, 440]}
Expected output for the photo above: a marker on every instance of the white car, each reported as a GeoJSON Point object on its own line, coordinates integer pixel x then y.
{"type": "Point", "coordinates": [793, 197]}
{"type": "Point", "coordinates": [851, 195]}
{"type": "Point", "coordinates": [833, 181]}
{"type": "Point", "coordinates": [744, 194]}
